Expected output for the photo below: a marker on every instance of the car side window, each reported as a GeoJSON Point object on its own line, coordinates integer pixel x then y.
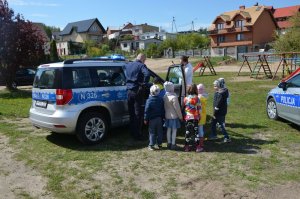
{"type": "Point", "coordinates": [113, 76]}
{"type": "Point", "coordinates": [294, 82]}
{"type": "Point", "coordinates": [81, 78]}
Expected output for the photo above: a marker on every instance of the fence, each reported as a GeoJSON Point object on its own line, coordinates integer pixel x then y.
{"type": "Point", "coordinates": [190, 53]}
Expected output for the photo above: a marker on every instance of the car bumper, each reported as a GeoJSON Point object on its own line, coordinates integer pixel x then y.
{"type": "Point", "coordinates": [57, 122]}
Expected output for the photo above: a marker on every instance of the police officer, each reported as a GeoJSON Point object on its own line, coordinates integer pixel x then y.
{"type": "Point", "coordinates": [137, 75]}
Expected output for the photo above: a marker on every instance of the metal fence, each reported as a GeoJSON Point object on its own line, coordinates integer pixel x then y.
{"type": "Point", "coordinates": [193, 53]}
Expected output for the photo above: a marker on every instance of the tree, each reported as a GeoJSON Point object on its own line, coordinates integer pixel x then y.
{"type": "Point", "coordinates": [186, 42]}
{"type": "Point", "coordinates": [50, 29]}
{"type": "Point", "coordinates": [290, 41]}
{"type": "Point", "coordinates": [170, 43]}
{"type": "Point", "coordinates": [53, 52]}
{"type": "Point", "coordinates": [21, 43]}
{"type": "Point", "coordinates": [153, 51]}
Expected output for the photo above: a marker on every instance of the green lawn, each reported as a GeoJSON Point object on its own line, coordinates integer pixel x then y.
{"type": "Point", "coordinates": [262, 153]}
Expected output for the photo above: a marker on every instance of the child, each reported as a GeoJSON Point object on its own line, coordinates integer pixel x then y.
{"type": "Point", "coordinates": [224, 89]}
{"type": "Point", "coordinates": [202, 95]}
{"type": "Point", "coordinates": [154, 113]}
{"type": "Point", "coordinates": [223, 86]}
{"type": "Point", "coordinates": [173, 114]}
{"type": "Point", "coordinates": [219, 111]}
{"type": "Point", "coordinates": [192, 108]}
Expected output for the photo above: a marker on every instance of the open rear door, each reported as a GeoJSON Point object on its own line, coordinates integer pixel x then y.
{"type": "Point", "coordinates": [176, 76]}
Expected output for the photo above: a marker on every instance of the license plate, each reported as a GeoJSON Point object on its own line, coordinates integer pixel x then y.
{"type": "Point", "coordinates": [42, 104]}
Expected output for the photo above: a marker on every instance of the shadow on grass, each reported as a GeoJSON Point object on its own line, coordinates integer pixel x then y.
{"type": "Point", "coordinates": [16, 94]}
{"type": "Point", "coordinates": [245, 126]}
{"type": "Point", "coordinates": [239, 144]}
{"type": "Point", "coordinates": [118, 139]}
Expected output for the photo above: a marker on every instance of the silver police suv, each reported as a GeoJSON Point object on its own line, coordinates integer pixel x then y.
{"type": "Point", "coordinates": [284, 100]}
{"type": "Point", "coordinates": [86, 97]}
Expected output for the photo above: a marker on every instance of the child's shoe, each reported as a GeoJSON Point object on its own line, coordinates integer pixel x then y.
{"type": "Point", "coordinates": [186, 148]}
{"type": "Point", "coordinates": [174, 147]}
{"type": "Point", "coordinates": [169, 146]}
{"type": "Point", "coordinates": [151, 148]}
{"type": "Point", "coordinates": [227, 140]}
{"type": "Point", "coordinates": [199, 149]}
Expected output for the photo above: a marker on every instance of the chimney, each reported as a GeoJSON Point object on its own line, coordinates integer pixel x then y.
{"type": "Point", "coordinates": [242, 7]}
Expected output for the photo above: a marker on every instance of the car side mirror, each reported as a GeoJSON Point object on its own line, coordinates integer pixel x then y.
{"type": "Point", "coordinates": [283, 85]}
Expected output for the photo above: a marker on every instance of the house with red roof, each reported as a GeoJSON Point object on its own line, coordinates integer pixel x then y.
{"type": "Point", "coordinates": [282, 15]}
{"type": "Point", "coordinates": [241, 31]}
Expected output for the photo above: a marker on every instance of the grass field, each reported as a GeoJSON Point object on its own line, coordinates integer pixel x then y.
{"type": "Point", "coordinates": [263, 154]}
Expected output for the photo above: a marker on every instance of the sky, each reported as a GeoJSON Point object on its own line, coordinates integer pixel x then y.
{"type": "Point", "coordinates": [187, 14]}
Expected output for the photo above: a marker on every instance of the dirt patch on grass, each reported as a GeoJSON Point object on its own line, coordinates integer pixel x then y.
{"type": "Point", "coordinates": [161, 65]}
{"type": "Point", "coordinates": [17, 179]}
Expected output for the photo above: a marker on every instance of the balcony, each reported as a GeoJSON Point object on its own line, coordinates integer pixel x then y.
{"type": "Point", "coordinates": [231, 43]}
{"type": "Point", "coordinates": [230, 30]}
{"type": "Point", "coordinates": [213, 32]}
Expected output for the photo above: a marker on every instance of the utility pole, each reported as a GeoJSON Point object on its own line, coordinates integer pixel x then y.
{"type": "Point", "coordinates": [193, 28]}
{"type": "Point", "coordinates": [174, 25]}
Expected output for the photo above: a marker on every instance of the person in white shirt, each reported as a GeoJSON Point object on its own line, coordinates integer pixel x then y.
{"type": "Point", "coordinates": [188, 70]}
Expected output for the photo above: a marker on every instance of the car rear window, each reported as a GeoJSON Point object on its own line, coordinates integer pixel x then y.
{"type": "Point", "coordinates": [48, 78]}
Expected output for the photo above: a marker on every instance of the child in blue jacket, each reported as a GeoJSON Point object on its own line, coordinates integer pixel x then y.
{"type": "Point", "coordinates": [154, 114]}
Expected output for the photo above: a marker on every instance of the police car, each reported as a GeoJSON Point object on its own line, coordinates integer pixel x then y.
{"type": "Point", "coordinates": [284, 100]}
{"type": "Point", "coordinates": [86, 97]}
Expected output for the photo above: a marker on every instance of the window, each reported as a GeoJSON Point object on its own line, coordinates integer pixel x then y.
{"type": "Point", "coordinates": [137, 44]}
{"type": "Point", "coordinates": [221, 38]}
{"type": "Point", "coordinates": [240, 37]}
{"type": "Point", "coordinates": [111, 76]}
{"type": "Point", "coordinates": [239, 23]}
{"type": "Point", "coordinates": [220, 26]}
{"type": "Point", "coordinates": [81, 78]}
{"type": "Point", "coordinates": [47, 79]}
{"type": "Point", "coordinates": [125, 45]}
{"type": "Point", "coordinates": [294, 82]}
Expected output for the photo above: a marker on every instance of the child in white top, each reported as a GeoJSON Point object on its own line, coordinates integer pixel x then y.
{"type": "Point", "coordinates": [173, 114]}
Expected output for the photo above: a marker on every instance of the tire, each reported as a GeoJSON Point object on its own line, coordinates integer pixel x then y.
{"type": "Point", "coordinates": [272, 109]}
{"type": "Point", "coordinates": [91, 128]}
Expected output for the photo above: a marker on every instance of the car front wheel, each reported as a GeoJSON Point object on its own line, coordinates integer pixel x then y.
{"type": "Point", "coordinates": [272, 109]}
{"type": "Point", "coordinates": [92, 128]}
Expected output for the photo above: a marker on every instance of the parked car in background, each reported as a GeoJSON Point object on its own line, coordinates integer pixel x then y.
{"type": "Point", "coordinates": [24, 77]}
{"type": "Point", "coordinates": [284, 100]}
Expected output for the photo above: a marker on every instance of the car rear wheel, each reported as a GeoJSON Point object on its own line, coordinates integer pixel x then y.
{"type": "Point", "coordinates": [92, 128]}
{"type": "Point", "coordinates": [272, 109]}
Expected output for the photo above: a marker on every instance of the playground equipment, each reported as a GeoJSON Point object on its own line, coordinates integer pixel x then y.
{"type": "Point", "coordinates": [289, 62]}
{"type": "Point", "coordinates": [288, 59]}
{"type": "Point", "coordinates": [203, 65]}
